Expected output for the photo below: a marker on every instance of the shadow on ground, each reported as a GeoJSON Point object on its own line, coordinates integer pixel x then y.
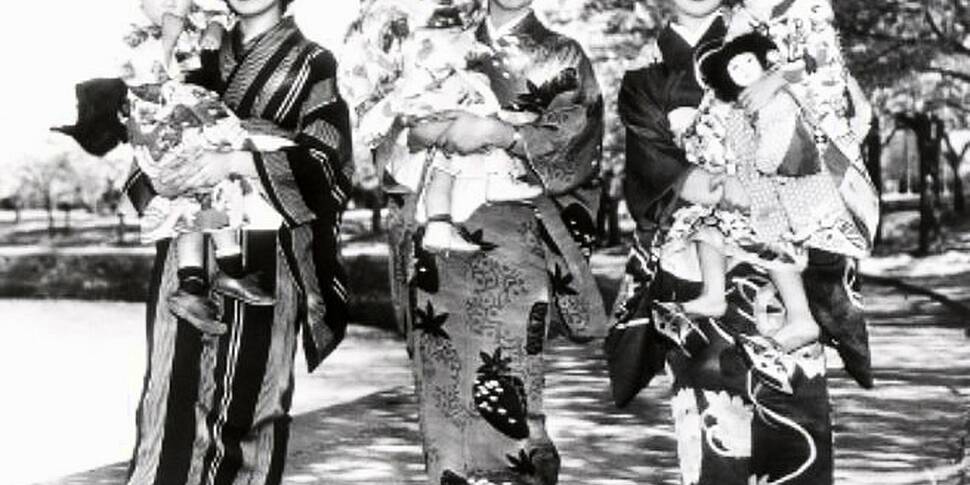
{"type": "Point", "coordinates": [901, 432]}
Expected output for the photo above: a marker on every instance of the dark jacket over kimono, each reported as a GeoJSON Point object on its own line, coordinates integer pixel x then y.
{"type": "Point", "coordinates": [482, 317]}
{"type": "Point", "coordinates": [285, 79]}
{"type": "Point", "coordinates": [730, 429]}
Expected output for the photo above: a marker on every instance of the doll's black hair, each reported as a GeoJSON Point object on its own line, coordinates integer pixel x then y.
{"type": "Point", "coordinates": [714, 67]}
{"type": "Point", "coordinates": [99, 102]}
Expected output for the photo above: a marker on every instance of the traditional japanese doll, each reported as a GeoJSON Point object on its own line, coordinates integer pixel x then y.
{"type": "Point", "coordinates": [811, 59]}
{"type": "Point", "coordinates": [795, 203]}
{"type": "Point", "coordinates": [170, 124]}
{"type": "Point", "coordinates": [433, 70]}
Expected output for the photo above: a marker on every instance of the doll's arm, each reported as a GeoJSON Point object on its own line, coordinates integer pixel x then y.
{"type": "Point", "coordinates": [775, 124]}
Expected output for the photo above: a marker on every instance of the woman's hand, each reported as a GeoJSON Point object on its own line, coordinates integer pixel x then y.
{"type": "Point", "coordinates": [762, 92]}
{"type": "Point", "coordinates": [470, 133]}
{"type": "Point", "coordinates": [210, 169]}
{"type": "Point", "coordinates": [735, 196]}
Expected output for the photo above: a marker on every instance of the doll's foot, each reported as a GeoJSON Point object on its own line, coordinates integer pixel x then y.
{"type": "Point", "coordinates": [505, 188]}
{"type": "Point", "coordinates": [246, 289]}
{"type": "Point", "coordinates": [797, 333]}
{"type": "Point", "coordinates": [714, 306]}
{"type": "Point", "coordinates": [199, 311]}
{"type": "Point", "coordinates": [443, 237]}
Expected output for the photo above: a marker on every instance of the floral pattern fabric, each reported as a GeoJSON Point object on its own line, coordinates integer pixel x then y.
{"type": "Point", "coordinates": [477, 323]}
{"type": "Point", "coordinates": [730, 429]}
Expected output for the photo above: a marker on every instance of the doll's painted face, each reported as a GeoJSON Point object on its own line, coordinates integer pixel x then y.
{"type": "Point", "coordinates": [745, 69]}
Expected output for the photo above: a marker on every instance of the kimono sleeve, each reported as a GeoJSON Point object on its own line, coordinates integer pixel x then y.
{"type": "Point", "coordinates": [311, 180]}
{"type": "Point", "coordinates": [655, 165]}
{"type": "Point", "coordinates": [776, 126]}
{"type": "Point", "coordinates": [564, 144]}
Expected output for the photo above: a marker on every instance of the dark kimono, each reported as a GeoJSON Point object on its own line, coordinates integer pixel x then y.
{"type": "Point", "coordinates": [215, 409]}
{"type": "Point", "coordinates": [477, 322]}
{"type": "Point", "coordinates": [731, 429]}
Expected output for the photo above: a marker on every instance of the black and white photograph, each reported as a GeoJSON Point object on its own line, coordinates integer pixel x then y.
{"type": "Point", "coordinates": [485, 242]}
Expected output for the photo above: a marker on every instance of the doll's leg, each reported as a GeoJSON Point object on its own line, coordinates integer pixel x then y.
{"type": "Point", "coordinates": [191, 302]}
{"type": "Point", "coordinates": [711, 301]}
{"type": "Point", "coordinates": [441, 233]}
{"type": "Point", "coordinates": [232, 279]}
{"type": "Point", "coordinates": [225, 241]}
{"type": "Point", "coordinates": [172, 26]}
{"type": "Point", "coordinates": [191, 261]}
{"type": "Point", "coordinates": [800, 327]}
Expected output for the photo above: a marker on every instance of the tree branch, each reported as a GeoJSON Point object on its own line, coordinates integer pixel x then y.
{"type": "Point", "coordinates": [963, 76]}
{"type": "Point", "coordinates": [949, 146]}
{"type": "Point", "coordinates": [957, 46]}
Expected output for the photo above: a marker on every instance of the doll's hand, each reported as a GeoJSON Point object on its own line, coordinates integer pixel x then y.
{"type": "Point", "coordinates": [680, 119]}
{"type": "Point", "coordinates": [759, 94]}
{"type": "Point", "coordinates": [212, 36]}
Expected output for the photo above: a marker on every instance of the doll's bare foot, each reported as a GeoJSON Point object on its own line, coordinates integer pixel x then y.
{"type": "Point", "coordinates": [443, 237]}
{"type": "Point", "coordinates": [506, 188]}
{"type": "Point", "coordinates": [706, 306]}
{"type": "Point", "coordinates": [797, 333]}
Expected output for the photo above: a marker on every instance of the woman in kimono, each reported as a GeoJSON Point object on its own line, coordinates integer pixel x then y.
{"type": "Point", "coordinates": [477, 322]}
{"type": "Point", "coordinates": [214, 409]}
{"type": "Point", "coordinates": [731, 428]}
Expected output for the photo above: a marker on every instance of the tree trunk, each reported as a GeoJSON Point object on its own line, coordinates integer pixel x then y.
{"type": "Point", "coordinates": [928, 222]}
{"type": "Point", "coordinates": [121, 228]}
{"type": "Point", "coordinates": [49, 205]}
{"type": "Point", "coordinates": [959, 202]}
{"type": "Point", "coordinates": [375, 220]}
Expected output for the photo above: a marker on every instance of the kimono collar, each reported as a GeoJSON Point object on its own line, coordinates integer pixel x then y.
{"type": "Point", "coordinates": [678, 53]}
{"type": "Point", "coordinates": [488, 34]}
{"type": "Point", "coordinates": [240, 50]}
{"type": "Point", "coordinates": [693, 38]}
{"type": "Point", "coordinates": [509, 27]}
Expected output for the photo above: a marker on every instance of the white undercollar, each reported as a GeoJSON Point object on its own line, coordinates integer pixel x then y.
{"type": "Point", "coordinates": [496, 33]}
{"type": "Point", "coordinates": [694, 37]}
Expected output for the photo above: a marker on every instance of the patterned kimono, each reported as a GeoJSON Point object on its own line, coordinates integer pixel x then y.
{"type": "Point", "coordinates": [477, 323]}
{"type": "Point", "coordinates": [215, 409]}
{"type": "Point", "coordinates": [731, 429]}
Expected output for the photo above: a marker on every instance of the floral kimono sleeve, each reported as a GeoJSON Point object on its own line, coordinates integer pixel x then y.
{"type": "Point", "coordinates": [563, 145]}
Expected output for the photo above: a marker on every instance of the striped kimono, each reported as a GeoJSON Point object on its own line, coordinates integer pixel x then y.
{"type": "Point", "coordinates": [214, 410]}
